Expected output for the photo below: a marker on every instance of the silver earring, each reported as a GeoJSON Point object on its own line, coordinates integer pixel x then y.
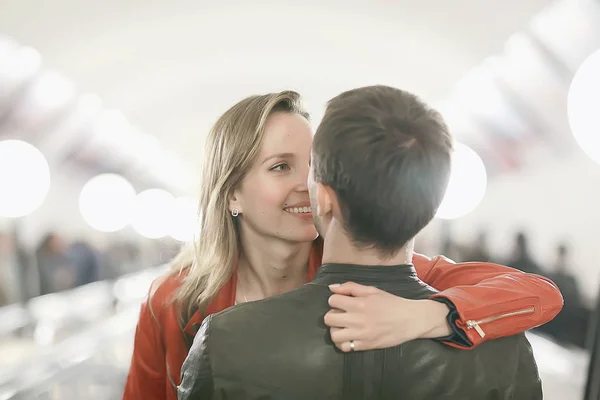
{"type": "Point", "coordinates": [235, 212]}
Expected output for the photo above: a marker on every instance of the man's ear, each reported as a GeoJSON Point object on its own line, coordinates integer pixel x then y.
{"type": "Point", "coordinates": [326, 200]}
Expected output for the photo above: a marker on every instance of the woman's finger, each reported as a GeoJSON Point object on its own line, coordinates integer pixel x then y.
{"type": "Point", "coordinates": [345, 303]}
{"type": "Point", "coordinates": [347, 347]}
{"type": "Point", "coordinates": [338, 319]}
{"type": "Point", "coordinates": [353, 289]}
{"type": "Point", "coordinates": [341, 335]}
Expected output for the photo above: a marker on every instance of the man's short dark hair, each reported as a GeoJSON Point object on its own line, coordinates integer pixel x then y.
{"type": "Point", "coordinates": [387, 156]}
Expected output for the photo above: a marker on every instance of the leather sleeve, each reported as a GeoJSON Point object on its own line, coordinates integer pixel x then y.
{"type": "Point", "coordinates": [528, 385]}
{"type": "Point", "coordinates": [458, 336]}
{"type": "Point", "coordinates": [147, 373]}
{"type": "Point", "coordinates": [508, 301]}
{"type": "Point", "coordinates": [196, 374]}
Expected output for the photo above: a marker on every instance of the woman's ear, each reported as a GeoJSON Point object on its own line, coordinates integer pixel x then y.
{"type": "Point", "coordinates": [234, 203]}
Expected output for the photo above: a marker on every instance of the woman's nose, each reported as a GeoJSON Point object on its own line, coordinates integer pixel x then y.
{"type": "Point", "coordinates": [302, 177]}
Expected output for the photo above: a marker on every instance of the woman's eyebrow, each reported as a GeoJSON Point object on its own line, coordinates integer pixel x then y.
{"type": "Point", "coordinates": [279, 155]}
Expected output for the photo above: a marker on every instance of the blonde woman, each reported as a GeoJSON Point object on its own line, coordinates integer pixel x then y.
{"type": "Point", "coordinates": [258, 240]}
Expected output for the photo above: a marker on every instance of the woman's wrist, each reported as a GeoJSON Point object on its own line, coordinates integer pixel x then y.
{"type": "Point", "coordinates": [436, 314]}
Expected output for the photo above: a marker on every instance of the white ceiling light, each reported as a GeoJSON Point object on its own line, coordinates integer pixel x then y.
{"type": "Point", "coordinates": [24, 178]}
{"type": "Point", "coordinates": [107, 202]}
{"type": "Point", "coordinates": [153, 213]}
{"type": "Point", "coordinates": [468, 182]}
{"type": "Point", "coordinates": [89, 104]}
{"type": "Point", "coordinates": [24, 62]}
{"type": "Point", "coordinates": [52, 90]}
{"type": "Point", "coordinates": [184, 223]}
{"type": "Point", "coordinates": [8, 48]}
{"type": "Point", "coordinates": [583, 106]}
{"type": "Point", "coordinates": [111, 125]}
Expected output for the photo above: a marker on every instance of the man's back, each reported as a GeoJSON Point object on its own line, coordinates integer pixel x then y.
{"type": "Point", "coordinates": [279, 348]}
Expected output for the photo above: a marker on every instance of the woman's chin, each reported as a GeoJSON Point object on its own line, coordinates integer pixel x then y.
{"type": "Point", "coordinates": [304, 234]}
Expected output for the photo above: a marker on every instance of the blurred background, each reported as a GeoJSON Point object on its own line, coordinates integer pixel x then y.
{"type": "Point", "coordinates": [103, 111]}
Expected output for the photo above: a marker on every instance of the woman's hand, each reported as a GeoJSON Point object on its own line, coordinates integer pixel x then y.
{"type": "Point", "coordinates": [374, 319]}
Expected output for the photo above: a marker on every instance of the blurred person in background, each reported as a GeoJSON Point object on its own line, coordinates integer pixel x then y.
{"type": "Point", "coordinates": [521, 258]}
{"type": "Point", "coordinates": [452, 249]}
{"type": "Point", "coordinates": [258, 240]}
{"type": "Point", "coordinates": [85, 260]}
{"type": "Point", "coordinates": [571, 325]}
{"type": "Point", "coordinates": [56, 269]}
{"type": "Point", "coordinates": [15, 271]}
{"type": "Point", "coordinates": [479, 250]}
{"type": "Point", "coordinates": [120, 258]}
{"type": "Point", "coordinates": [4, 298]}
{"type": "Point", "coordinates": [564, 278]}
{"type": "Point", "coordinates": [7, 260]}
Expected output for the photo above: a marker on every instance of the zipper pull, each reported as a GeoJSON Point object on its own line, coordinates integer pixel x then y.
{"type": "Point", "coordinates": [475, 325]}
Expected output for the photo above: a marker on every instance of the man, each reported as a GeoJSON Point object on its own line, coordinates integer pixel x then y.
{"type": "Point", "coordinates": [571, 325]}
{"type": "Point", "coordinates": [522, 258]}
{"type": "Point", "coordinates": [380, 166]}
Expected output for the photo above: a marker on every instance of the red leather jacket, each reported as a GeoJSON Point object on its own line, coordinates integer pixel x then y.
{"type": "Point", "coordinates": [492, 301]}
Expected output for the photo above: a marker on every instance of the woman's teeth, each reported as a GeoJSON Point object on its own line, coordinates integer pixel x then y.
{"type": "Point", "coordinates": [297, 210]}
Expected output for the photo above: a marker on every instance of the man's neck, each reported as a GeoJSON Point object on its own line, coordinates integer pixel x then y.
{"type": "Point", "coordinates": [338, 248]}
{"type": "Point", "coordinates": [270, 266]}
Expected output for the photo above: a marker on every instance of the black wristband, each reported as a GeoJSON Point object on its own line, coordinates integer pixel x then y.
{"type": "Point", "coordinates": [458, 335]}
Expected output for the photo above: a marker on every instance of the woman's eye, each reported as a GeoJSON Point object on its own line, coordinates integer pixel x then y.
{"type": "Point", "coordinates": [281, 167]}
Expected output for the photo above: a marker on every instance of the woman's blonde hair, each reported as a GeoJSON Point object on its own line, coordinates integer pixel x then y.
{"type": "Point", "coordinates": [232, 147]}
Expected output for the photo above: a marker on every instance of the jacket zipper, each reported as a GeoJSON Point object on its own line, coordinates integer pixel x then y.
{"type": "Point", "coordinates": [477, 324]}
